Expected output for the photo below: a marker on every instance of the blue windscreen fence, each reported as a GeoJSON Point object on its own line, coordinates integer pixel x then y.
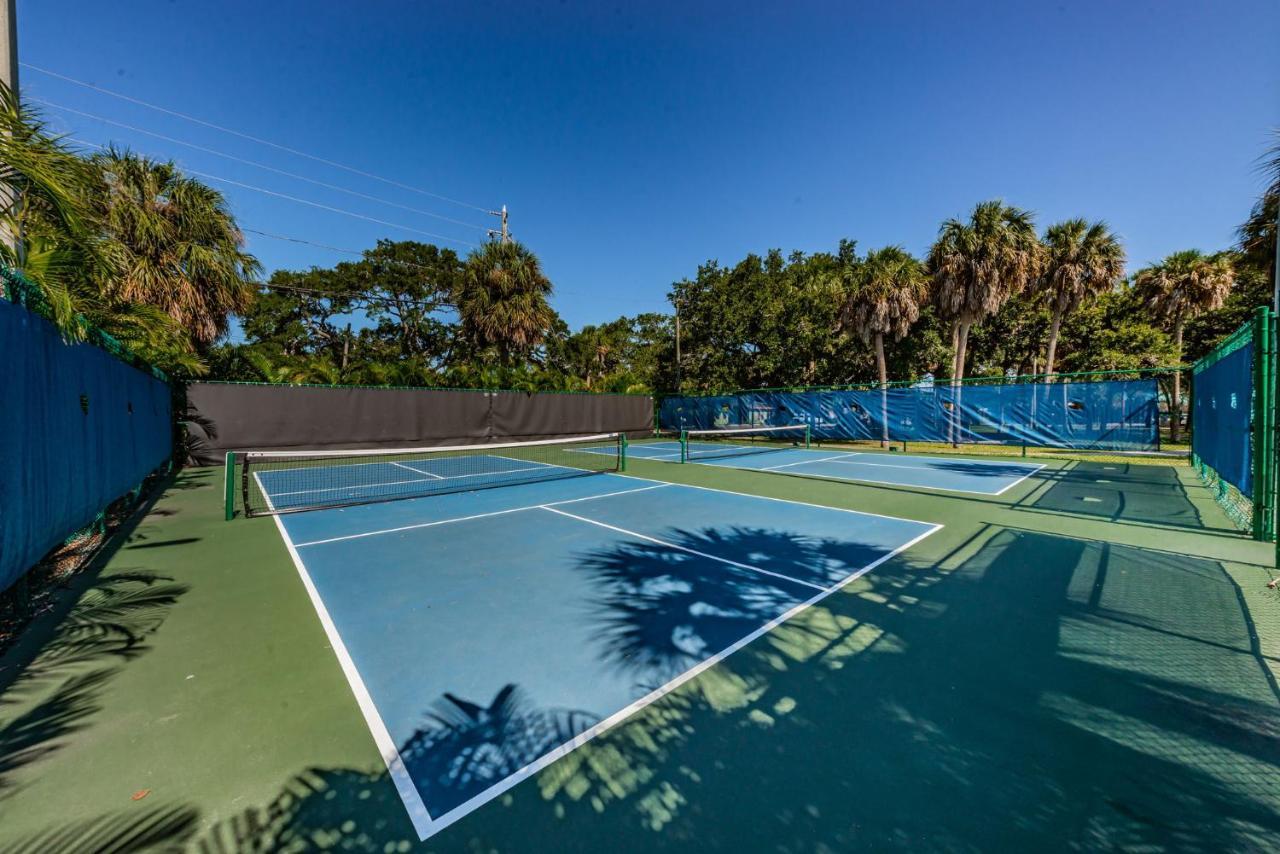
{"type": "Point", "coordinates": [79, 428]}
{"type": "Point", "coordinates": [1117, 415]}
{"type": "Point", "coordinates": [1222, 417]}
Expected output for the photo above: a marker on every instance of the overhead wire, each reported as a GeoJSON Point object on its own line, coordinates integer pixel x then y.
{"type": "Point", "coordinates": [253, 163]}
{"type": "Point", "coordinates": [260, 141]}
{"type": "Point", "coordinates": [210, 176]}
{"type": "Point", "coordinates": [285, 173]}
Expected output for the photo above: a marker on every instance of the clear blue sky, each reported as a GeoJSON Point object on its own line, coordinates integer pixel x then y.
{"type": "Point", "coordinates": [633, 141]}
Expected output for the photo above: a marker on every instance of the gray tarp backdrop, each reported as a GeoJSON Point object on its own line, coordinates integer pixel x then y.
{"type": "Point", "coordinates": [238, 417]}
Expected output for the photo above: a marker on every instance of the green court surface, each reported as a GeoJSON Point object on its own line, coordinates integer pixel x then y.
{"type": "Point", "coordinates": [1086, 661]}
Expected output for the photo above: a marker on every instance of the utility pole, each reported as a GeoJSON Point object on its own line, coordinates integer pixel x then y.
{"type": "Point", "coordinates": [9, 44]}
{"type": "Point", "coordinates": [9, 76]}
{"type": "Point", "coordinates": [504, 234]}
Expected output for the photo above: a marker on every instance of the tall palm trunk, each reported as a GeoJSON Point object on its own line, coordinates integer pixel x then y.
{"type": "Point", "coordinates": [955, 347]}
{"type": "Point", "coordinates": [961, 351]}
{"type": "Point", "coordinates": [1175, 404]}
{"type": "Point", "coordinates": [955, 371]}
{"type": "Point", "coordinates": [958, 382]}
{"type": "Point", "coordinates": [884, 390]}
{"type": "Point", "coordinates": [1053, 344]}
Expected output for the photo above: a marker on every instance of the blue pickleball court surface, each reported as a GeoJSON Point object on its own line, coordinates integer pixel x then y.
{"type": "Point", "coordinates": [950, 474]}
{"type": "Point", "coordinates": [487, 633]}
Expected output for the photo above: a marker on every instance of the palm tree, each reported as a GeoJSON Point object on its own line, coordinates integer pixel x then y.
{"type": "Point", "coordinates": [976, 267]}
{"type": "Point", "coordinates": [888, 287]}
{"type": "Point", "coordinates": [1082, 261]}
{"type": "Point", "coordinates": [54, 242]}
{"type": "Point", "coordinates": [176, 244]}
{"type": "Point", "coordinates": [502, 301]}
{"type": "Point", "coordinates": [1257, 236]}
{"type": "Point", "coordinates": [47, 219]}
{"type": "Point", "coordinates": [1182, 286]}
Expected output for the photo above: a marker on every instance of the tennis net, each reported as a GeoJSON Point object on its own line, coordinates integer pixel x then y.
{"type": "Point", "coordinates": [292, 481]}
{"type": "Point", "coordinates": [736, 441]}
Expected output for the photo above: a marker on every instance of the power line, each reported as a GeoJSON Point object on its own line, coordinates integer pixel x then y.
{"type": "Point", "coordinates": [251, 138]}
{"type": "Point", "coordinates": [253, 163]}
{"type": "Point", "coordinates": [301, 201]}
{"type": "Point", "coordinates": [309, 243]}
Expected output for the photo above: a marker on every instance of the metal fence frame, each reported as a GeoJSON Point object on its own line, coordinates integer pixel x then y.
{"type": "Point", "coordinates": [1260, 331]}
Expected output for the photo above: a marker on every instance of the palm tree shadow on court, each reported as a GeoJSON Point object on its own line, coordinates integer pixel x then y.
{"type": "Point", "coordinates": [1037, 689]}
{"type": "Point", "coordinates": [661, 610]}
{"type": "Point", "coordinates": [464, 747]}
{"type": "Point", "coordinates": [1028, 689]}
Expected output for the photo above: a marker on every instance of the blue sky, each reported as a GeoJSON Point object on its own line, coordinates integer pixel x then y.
{"type": "Point", "coordinates": [634, 141]}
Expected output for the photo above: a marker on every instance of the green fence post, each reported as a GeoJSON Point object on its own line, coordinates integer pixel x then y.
{"type": "Point", "coordinates": [229, 486]}
{"type": "Point", "coordinates": [1191, 422]}
{"type": "Point", "coordinates": [1261, 427]}
{"type": "Point", "coordinates": [1274, 483]}
{"type": "Point", "coordinates": [1266, 486]}
{"type": "Point", "coordinates": [1267, 430]}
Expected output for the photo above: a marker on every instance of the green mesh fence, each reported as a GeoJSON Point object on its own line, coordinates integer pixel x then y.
{"type": "Point", "coordinates": [1233, 422]}
{"type": "Point", "coordinates": [15, 288]}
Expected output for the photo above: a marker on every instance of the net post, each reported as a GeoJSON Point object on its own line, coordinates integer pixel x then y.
{"type": "Point", "coordinates": [622, 452]}
{"type": "Point", "coordinates": [229, 487]}
{"type": "Point", "coordinates": [244, 485]}
{"type": "Point", "coordinates": [684, 445]}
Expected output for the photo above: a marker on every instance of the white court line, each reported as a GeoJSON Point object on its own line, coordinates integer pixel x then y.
{"type": "Point", "coordinates": [479, 516]}
{"type": "Point", "coordinates": [840, 479]}
{"type": "Point", "coordinates": [417, 809]}
{"type": "Point", "coordinates": [1020, 480]}
{"type": "Point", "coordinates": [909, 468]}
{"type": "Point", "coordinates": [420, 471]}
{"type": "Point", "coordinates": [806, 462]}
{"type": "Point", "coordinates": [665, 455]}
{"type": "Point", "coordinates": [1029, 466]}
{"type": "Point", "coordinates": [841, 459]}
{"type": "Point", "coordinates": [780, 500]}
{"type": "Point", "coordinates": [633, 450]}
{"type": "Point", "coordinates": [661, 691]}
{"type": "Point", "coordinates": [413, 480]}
{"type": "Point", "coordinates": [682, 548]}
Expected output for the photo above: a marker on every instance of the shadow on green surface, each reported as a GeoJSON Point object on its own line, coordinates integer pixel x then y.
{"type": "Point", "coordinates": [1042, 692]}
{"type": "Point", "coordinates": [163, 829]}
{"type": "Point", "coordinates": [1151, 496]}
{"type": "Point", "coordinates": [1120, 492]}
{"type": "Point", "coordinates": [52, 677]}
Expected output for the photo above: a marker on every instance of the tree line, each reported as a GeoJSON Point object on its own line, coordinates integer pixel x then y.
{"type": "Point", "coordinates": [131, 245]}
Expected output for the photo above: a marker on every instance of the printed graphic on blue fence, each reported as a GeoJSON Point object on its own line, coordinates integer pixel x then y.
{"type": "Point", "coordinates": [1119, 415]}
